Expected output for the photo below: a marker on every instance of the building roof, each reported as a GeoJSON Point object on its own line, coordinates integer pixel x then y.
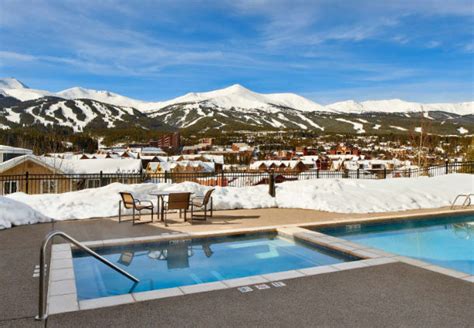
{"type": "Point", "coordinates": [153, 151]}
{"type": "Point", "coordinates": [15, 150]}
{"type": "Point", "coordinates": [93, 166]}
{"type": "Point", "coordinates": [287, 163]}
{"type": "Point", "coordinates": [167, 166]}
{"type": "Point", "coordinates": [219, 159]}
{"type": "Point", "coordinates": [11, 163]}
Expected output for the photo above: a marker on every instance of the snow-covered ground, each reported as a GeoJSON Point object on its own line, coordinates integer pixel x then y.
{"type": "Point", "coordinates": [334, 195]}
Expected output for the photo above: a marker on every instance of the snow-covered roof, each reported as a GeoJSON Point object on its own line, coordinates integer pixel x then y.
{"type": "Point", "coordinates": [11, 163]}
{"type": "Point", "coordinates": [148, 157]}
{"type": "Point", "coordinates": [286, 163]}
{"type": "Point", "coordinates": [167, 166]}
{"type": "Point", "coordinates": [344, 157]}
{"type": "Point", "coordinates": [309, 159]}
{"type": "Point", "coordinates": [219, 159]}
{"type": "Point", "coordinates": [92, 166]}
{"type": "Point", "coordinates": [153, 150]}
{"type": "Point", "coordinates": [14, 150]}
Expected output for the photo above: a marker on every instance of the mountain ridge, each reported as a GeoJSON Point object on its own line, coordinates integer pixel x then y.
{"type": "Point", "coordinates": [237, 97]}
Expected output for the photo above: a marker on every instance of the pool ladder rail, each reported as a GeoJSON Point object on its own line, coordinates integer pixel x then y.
{"type": "Point", "coordinates": [42, 315]}
{"type": "Point", "coordinates": [466, 203]}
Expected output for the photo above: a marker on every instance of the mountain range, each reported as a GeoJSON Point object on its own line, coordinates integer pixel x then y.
{"type": "Point", "coordinates": [231, 108]}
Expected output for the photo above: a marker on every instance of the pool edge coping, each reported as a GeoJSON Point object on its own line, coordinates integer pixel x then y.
{"type": "Point", "coordinates": [67, 301]}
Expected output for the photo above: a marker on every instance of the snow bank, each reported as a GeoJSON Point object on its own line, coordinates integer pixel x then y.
{"type": "Point", "coordinates": [104, 202]}
{"type": "Point", "coordinates": [369, 196]}
{"type": "Point", "coordinates": [87, 203]}
{"type": "Point", "coordinates": [334, 195]}
{"type": "Point", "coordinates": [18, 213]}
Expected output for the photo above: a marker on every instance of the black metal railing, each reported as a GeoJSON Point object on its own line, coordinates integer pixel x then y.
{"type": "Point", "coordinates": [60, 183]}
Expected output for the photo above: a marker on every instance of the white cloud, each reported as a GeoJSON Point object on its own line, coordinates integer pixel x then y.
{"type": "Point", "coordinates": [469, 47]}
{"type": "Point", "coordinates": [14, 56]}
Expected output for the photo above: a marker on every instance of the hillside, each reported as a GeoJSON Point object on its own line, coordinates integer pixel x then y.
{"type": "Point", "coordinates": [79, 114]}
{"type": "Point", "coordinates": [230, 109]}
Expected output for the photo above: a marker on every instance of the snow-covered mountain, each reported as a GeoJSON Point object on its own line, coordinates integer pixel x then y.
{"type": "Point", "coordinates": [78, 114]}
{"type": "Point", "coordinates": [102, 96]}
{"type": "Point", "coordinates": [16, 89]}
{"type": "Point", "coordinates": [234, 108]}
{"type": "Point", "coordinates": [400, 106]}
{"type": "Point", "coordinates": [237, 97]}
{"type": "Point", "coordinates": [11, 83]}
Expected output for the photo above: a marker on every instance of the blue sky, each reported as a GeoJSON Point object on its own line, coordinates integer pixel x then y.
{"type": "Point", "coordinates": [325, 50]}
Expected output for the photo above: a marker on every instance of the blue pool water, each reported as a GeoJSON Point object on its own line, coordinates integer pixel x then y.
{"type": "Point", "coordinates": [445, 241]}
{"type": "Point", "coordinates": [173, 264]}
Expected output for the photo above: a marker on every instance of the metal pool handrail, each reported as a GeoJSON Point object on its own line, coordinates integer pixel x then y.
{"type": "Point", "coordinates": [467, 200]}
{"type": "Point", "coordinates": [42, 284]}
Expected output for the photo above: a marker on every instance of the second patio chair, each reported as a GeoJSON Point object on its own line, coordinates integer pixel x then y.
{"type": "Point", "coordinates": [203, 202]}
{"type": "Point", "coordinates": [176, 201]}
{"type": "Point", "coordinates": [129, 202]}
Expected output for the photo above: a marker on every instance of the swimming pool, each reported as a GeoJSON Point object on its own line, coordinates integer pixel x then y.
{"type": "Point", "coordinates": [195, 261]}
{"type": "Point", "coordinates": [445, 241]}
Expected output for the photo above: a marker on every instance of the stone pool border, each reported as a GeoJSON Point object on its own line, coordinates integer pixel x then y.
{"type": "Point", "coordinates": [62, 293]}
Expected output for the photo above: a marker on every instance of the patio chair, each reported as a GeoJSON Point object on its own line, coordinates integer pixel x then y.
{"type": "Point", "coordinates": [203, 202]}
{"type": "Point", "coordinates": [176, 201]}
{"type": "Point", "coordinates": [129, 202]}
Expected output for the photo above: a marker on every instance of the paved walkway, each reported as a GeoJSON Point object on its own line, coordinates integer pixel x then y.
{"type": "Point", "coordinates": [390, 295]}
{"type": "Point", "coordinates": [369, 297]}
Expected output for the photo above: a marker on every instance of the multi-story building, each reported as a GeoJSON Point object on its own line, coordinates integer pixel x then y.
{"type": "Point", "coordinates": [167, 141]}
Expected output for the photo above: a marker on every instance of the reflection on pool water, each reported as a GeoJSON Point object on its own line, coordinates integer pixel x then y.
{"type": "Point", "coordinates": [445, 241]}
{"type": "Point", "coordinates": [188, 262]}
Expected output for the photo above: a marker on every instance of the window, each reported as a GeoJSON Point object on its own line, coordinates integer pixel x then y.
{"type": "Point", "coordinates": [10, 187]}
{"type": "Point", "coordinates": [93, 183]}
{"type": "Point", "coordinates": [48, 186]}
{"type": "Point", "coordinates": [8, 156]}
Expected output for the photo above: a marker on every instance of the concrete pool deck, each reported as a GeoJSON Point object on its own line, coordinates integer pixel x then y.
{"type": "Point", "coordinates": [273, 217]}
{"type": "Point", "coordinates": [436, 299]}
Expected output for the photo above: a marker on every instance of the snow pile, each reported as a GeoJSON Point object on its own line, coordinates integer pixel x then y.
{"type": "Point", "coordinates": [13, 212]}
{"type": "Point", "coordinates": [369, 196]}
{"type": "Point", "coordinates": [334, 195]}
{"type": "Point", "coordinates": [104, 202]}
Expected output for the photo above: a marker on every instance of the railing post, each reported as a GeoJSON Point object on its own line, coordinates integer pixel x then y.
{"type": "Point", "coordinates": [27, 184]}
{"type": "Point", "coordinates": [166, 176]}
{"type": "Point", "coordinates": [385, 173]}
{"type": "Point", "coordinates": [358, 173]}
{"type": "Point", "coordinates": [222, 178]}
{"type": "Point", "coordinates": [271, 184]}
{"type": "Point", "coordinates": [317, 173]}
{"type": "Point", "coordinates": [447, 167]}
{"type": "Point", "coordinates": [101, 177]}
